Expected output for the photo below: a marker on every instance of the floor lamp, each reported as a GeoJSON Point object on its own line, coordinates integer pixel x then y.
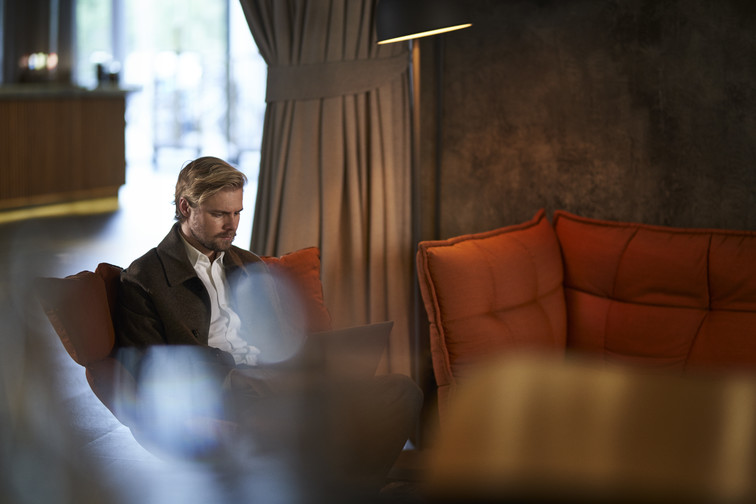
{"type": "Point", "coordinates": [407, 20]}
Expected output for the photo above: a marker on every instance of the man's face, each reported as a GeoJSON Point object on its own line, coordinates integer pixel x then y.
{"type": "Point", "coordinates": [211, 226]}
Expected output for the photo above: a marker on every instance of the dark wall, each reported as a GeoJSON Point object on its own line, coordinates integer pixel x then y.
{"type": "Point", "coordinates": [637, 110]}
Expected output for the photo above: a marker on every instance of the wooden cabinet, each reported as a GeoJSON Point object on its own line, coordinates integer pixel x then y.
{"type": "Point", "coordinates": [60, 145]}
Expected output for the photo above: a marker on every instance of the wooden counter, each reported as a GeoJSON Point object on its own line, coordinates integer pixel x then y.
{"type": "Point", "coordinates": [60, 144]}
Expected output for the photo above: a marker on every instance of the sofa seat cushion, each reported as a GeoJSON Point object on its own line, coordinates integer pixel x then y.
{"type": "Point", "coordinates": [490, 292]}
{"type": "Point", "coordinates": [658, 296]}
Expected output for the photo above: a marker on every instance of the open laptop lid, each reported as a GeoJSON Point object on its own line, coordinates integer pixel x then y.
{"type": "Point", "coordinates": [351, 352]}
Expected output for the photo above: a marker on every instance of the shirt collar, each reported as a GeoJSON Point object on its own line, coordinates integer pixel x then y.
{"type": "Point", "coordinates": [195, 256]}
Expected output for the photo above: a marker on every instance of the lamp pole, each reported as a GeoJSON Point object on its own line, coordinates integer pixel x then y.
{"type": "Point", "coordinates": [400, 20]}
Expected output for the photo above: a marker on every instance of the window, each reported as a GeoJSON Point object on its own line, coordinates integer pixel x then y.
{"type": "Point", "coordinates": [197, 79]}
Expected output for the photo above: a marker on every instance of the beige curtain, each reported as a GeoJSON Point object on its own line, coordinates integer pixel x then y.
{"type": "Point", "coordinates": [335, 161]}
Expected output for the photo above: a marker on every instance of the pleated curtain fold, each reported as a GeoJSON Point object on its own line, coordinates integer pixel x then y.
{"type": "Point", "coordinates": [335, 160]}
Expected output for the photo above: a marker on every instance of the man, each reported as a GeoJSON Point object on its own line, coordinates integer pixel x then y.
{"type": "Point", "coordinates": [183, 295]}
{"type": "Point", "coordinates": [178, 292]}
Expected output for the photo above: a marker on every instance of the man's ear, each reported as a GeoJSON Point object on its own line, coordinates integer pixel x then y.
{"type": "Point", "coordinates": [184, 207]}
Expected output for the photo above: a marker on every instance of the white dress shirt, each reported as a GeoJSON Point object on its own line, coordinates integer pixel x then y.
{"type": "Point", "coordinates": [224, 322]}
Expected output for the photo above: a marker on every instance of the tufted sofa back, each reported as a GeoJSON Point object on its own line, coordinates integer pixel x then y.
{"type": "Point", "coordinates": [659, 297]}
{"type": "Point", "coordinates": [490, 292]}
{"type": "Point", "coordinates": [632, 294]}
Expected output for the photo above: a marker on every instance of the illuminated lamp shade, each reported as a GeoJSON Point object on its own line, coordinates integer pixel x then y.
{"type": "Point", "coordinates": [398, 20]}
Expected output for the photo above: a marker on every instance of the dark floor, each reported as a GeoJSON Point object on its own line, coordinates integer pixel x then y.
{"type": "Point", "coordinates": [59, 443]}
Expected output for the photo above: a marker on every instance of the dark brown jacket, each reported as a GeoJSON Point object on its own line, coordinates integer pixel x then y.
{"type": "Point", "coordinates": [162, 301]}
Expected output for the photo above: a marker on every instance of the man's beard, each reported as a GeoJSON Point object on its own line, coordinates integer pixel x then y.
{"type": "Point", "coordinates": [217, 243]}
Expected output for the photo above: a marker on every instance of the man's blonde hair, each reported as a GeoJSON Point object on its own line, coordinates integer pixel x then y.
{"type": "Point", "coordinates": [204, 177]}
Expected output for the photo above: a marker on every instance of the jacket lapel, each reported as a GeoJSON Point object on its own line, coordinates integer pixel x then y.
{"type": "Point", "coordinates": [173, 256]}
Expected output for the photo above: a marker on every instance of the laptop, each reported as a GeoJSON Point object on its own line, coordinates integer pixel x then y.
{"type": "Point", "coordinates": [351, 352]}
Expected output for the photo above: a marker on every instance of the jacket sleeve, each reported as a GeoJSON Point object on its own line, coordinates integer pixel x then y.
{"type": "Point", "coordinates": [138, 323]}
{"type": "Point", "coordinates": [140, 331]}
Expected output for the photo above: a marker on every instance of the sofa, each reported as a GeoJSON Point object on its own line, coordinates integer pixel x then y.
{"type": "Point", "coordinates": [627, 294]}
{"type": "Point", "coordinates": [591, 361]}
{"type": "Point", "coordinates": [81, 309]}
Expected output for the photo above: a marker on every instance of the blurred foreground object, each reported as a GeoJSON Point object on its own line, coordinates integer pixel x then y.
{"type": "Point", "coordinates": [540, 429]}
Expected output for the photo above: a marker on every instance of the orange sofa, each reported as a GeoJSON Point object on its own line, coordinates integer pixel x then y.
{"type": "Point", "coordinates": [81, 309]}
{"type": "Point", "coordinates": [625, 293]}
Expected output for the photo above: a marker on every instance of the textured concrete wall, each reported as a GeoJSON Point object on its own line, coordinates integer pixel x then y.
{"type": "Point", "coordinates": [640, 110]}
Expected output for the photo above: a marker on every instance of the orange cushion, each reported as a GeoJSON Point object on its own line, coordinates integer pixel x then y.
{"type": "Point", "coordinates": [659, 296]}
{"type": "Point", "coordinates": [303, 268]}
{"type": "Point", "coordinates": [490, 292]}
{"type": "Point", "coordinates": [77, 308]}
